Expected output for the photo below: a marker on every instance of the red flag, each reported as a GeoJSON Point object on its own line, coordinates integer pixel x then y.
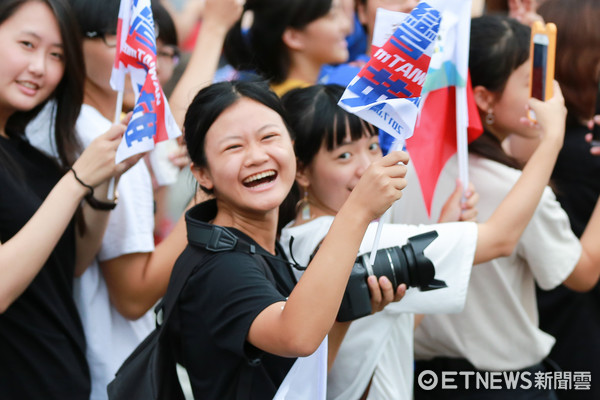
{"type": "Point", "coordinates": [434, 141]}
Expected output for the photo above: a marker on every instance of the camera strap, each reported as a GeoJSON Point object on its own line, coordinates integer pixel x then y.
{"type": "Point", "coordinates": [217, 239]}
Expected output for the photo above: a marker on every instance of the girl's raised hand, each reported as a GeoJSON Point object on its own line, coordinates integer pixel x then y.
{"type": "Point", "coordinates": [97, 163]}
{"type": "Point", "coordinates": [380, 185]}
{"type": "Point", "coordinates": [595, 149]}
{"type": "Point", "coordinates": [224, 13]}
{"type": "Point", "coordinates": [460, 206]}
{"type": "Point", "coordinates": [550, 116]}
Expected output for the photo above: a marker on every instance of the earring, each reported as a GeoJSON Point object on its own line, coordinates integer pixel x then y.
{"type": "Point", "coordinates": [304, 206]}
{"type": "Point", "coordinates": [490, 118]}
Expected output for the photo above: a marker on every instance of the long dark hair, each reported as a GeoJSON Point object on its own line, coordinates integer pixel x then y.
{"type": "Point", "coordinates": [261, 48]}
{"type": "Point", "coordinates": [315, 120]}
{"type": "Point", "coordinates": [212, 101]}
{"type": "Point", "coordinates": [499, 45]}
{"type": "Point", "coordinates": [68, 95]}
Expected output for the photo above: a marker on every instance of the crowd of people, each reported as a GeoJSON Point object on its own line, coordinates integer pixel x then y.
{"type": "Point", "coordinates": [300, 184]}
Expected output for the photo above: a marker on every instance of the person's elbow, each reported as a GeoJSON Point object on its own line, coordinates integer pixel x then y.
{"type": "Point", "coordinates": [584, 276]}
{"type": "Point", "coordinates": [131, 308]}
{"type": "Point", "coordinates": [7, 297]}
{"type": "Point", "coordinates": [301, 345]}
{"type": "Point", "coordinates": [300, 342]}
{"type": "Point", "coordinates": [491, 245]}
{"type": "Point", "coordinates": [4, 304]}
{"type": "Point", "coordinates": [505, 246]}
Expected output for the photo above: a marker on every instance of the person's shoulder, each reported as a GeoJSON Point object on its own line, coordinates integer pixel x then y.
{"type": "Point", "coordinates": [226, 262]}
{"type": "Point", "coordinates": [90, 124]}
{"type": "Point", "coordinates": [485, 170]}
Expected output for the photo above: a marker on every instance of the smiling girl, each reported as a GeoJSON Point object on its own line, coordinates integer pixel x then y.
{"type": "Point", "coordinates": [41, 338]}
{"type": "Point", "coordinates": [240, 331]}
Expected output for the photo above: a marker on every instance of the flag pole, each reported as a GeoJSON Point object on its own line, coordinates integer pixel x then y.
{"type": "Point", "coordinates": [396, 145]}
{"type": "Point", "coordinates": [119, 106]}
{"type": "Point", "coordinates": [462, 111]}
{"type": "Point", "coordinates": [462, 144]}
{"type": "Point", "coordinates": [110, 194]}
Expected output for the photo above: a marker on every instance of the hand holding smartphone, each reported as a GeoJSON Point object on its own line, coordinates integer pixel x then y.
{"type": "Point", "coordinates": [542, 53]}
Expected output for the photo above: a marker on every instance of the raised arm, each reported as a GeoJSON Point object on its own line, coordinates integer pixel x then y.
{"type": "Point", "coordinates": [219, 16]}
{"type": "Point", "coordinates": [22, 257]}
{"type": "Point", "coordinates": [298, 326]}
{"type": "Point", "coordinates": [499, 235]}
{"type": "Point", "coordinates": [136, 281]}
{"type": "Point", "coordinates": [88, 237]}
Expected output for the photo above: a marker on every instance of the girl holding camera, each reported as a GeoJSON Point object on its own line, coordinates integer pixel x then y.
{"type": "Point", "coordinates": [334, 149]}
{"type": "Point", "coordinates": [240, 332]}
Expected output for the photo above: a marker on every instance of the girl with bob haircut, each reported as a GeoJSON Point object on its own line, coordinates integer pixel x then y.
{"type": "Point", "coordinates": [41, 338]}
{"type": "Point", "coordinates": [289, 41]}
{"type": "Point", "coordinates": [501, 302]}
{"type": "Point", "coordinates": [236, 324]}
{"type": "Point", "coordinates": [333, 149]}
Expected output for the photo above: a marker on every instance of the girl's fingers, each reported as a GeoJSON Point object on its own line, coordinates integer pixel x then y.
{"type": "Point", "coordinates": [395, 157]}
{"type": "Point", "coordinates": [400, 292]}
{"type": "Point", "coordinates": [375, 292]}
{"type": "Point", "coordinates": [387, 290]}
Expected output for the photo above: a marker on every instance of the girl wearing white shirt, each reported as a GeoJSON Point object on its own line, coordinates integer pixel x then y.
{"type": "Point", "coordinates": [333, 149]}
{"type": "Point", "coordinates": [498, 328]}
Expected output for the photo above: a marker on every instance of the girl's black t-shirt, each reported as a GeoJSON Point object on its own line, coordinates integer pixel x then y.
{"type": "Point", "coordinates": [216, 308]}
{"type": "Point", "coordinates": [42, 344]}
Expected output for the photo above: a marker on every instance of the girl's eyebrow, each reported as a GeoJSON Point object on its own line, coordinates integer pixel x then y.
{"type": "Point", "coordinates": [262, 128]}
{"type": "Point", "coordinates": [38, 37]}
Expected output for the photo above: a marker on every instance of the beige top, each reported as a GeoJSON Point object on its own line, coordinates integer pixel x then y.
{"type": "Point", "coordinates": [498, 328]}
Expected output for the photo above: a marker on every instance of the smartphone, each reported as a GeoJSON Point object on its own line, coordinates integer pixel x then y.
{"type": "Point", "coordinates": [596, 130]}
{"type": "Point", "coordinates": [542, 54]}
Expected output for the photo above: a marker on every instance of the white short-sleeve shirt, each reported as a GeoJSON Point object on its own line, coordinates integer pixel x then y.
{"type": "Point", "coordinates": [110, 336]}
{"type": "Point", "coordinates": [381, 345]}
{"type": "Point", "coordinates": [498, 327]}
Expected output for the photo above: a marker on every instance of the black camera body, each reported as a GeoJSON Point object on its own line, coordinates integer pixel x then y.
{"type": "Point", "coordinates": [406, 264]}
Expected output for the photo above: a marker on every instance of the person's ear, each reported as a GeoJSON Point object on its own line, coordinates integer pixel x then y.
{"type": "Point", "coordinates": [293, 38]}
{"type": "Point", "coordinates": [203, 176]}
{"type": "Point", "coordinates": [361, 12]}
{"type": "Point", "coordinates": [302, 176]}
{"type": "Point", "coordinates": [484, 98]}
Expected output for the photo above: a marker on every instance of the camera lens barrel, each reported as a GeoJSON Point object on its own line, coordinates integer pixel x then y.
{"type": "Point", "coordinates": [407, 264]}
{"type": "Point", "coordinates": [388, 263]}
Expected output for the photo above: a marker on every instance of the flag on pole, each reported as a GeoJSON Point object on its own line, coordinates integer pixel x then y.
{"type": "Point", "coordinates": [386, 92]}
{"type": "Point", "coordinates": [449, 119]}
{"type": "Point", "coordinates": [152, 121]}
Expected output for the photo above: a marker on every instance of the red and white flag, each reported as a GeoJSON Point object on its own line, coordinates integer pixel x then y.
{"type": "Point", "coordinates": [152, 121]}
{"type": "Point", "coordinates": [387, 90]}
{"type": "Point", "coordinates": [449, 119]}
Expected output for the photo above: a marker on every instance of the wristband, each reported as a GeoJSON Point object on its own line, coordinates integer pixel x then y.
{"type": "Point", "coordinates": [94, 202]}
{"type": "Point", "coordinates": [91, 189]}
{"type": "Point", "coordinates": [102, 205]}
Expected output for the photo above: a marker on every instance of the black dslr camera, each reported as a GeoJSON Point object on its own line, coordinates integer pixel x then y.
{"type": "Point", "coordinates": [406, 264]}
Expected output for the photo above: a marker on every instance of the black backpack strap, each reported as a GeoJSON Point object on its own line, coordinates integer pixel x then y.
{"type": "Point", "coordinates": [181, 273]}
{"type": "Point", "coordinates": [245, 381]}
